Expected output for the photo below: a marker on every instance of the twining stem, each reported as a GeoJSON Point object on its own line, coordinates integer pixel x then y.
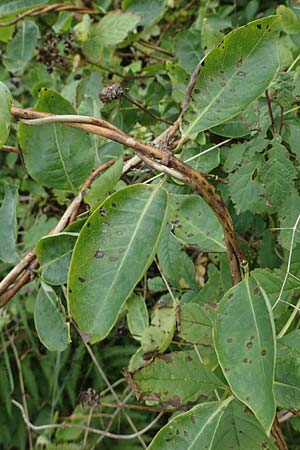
{"type": "Point", "coordinates": [190, 177]}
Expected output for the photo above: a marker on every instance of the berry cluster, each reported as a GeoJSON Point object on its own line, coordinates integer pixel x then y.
{"type": "Point", "coordinates": [55, 51]}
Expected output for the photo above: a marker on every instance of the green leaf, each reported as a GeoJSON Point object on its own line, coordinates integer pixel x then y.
{"type": "Point", "coordinates": [192, 430]}
{"type": "Point", "coordinates": [8, 235]}
{"type": "Point", "coordinates": [271, 282]}
{"type": "Point", "coordinates": [195, 223]}
{"type": "Point", "coordinates": [174, 379]}
{"type": "Point", "coordinates": [288, 215]}
{"type": "Point", "coordinates": [179, 80]}
{"type": "Point", "coordinates": [158, 336]}
{"type": "Point", "coordinates": [245, 191]}
{"type": "Point", "coordinates": [287, 385]}
{"type": "Point", "coordinates": [245, 345]}
{"type": "Point", "coordinates": [50, 321]}
{"type": "Point", "coordinates": [137, 316]}
{"type": "Point", "coordinates": [188, 49]}
{"type": "Point", "coordinates": [10, 7]}
{"type": "Point", "coordinates": [55, 155]}
{"type": "Point", "coordinates": [175, 264]}
{"type": "Point", "coordinates": [5, 106]}
{"type": "Point", "coordinates": [255, 118]}
{"type": "Point", "coordinates": [104, 184]}
{"type": "Point", "coordinates": [108, 32]}
{"type": "Point", "coordinates": [229, 79]}
{"type": "Point", "coordinates": [20, 49]}
{"type": "Point", "coordinates": [288, 19]}
{"type": "Point", "coordinates": [114, 249]}
{"type": "Point", "coordinates": [277, 175]}
{"type": "Point", "coordinates": [239, 430]}
{"type": "Point", "coordinates": [148, 10]}
{"type": "Point", "coordinates": [54, 255]}
{"type": "Point", "coordinates": [195, 323]}
{"type": "Point", "coordinates": [203, 163]}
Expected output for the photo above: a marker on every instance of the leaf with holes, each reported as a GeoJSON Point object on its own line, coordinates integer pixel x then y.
{"type": "Point", "coordinates": [174, 379]}
{"type": "Point", "coordinates": [233, 75]}
{"type": "Point", "coordinates": [245, 344]}
{"type": "Point", "coordinates": [192, 430]}
{"type": "Point", "coordinates": [122, 233]}
{"type": "Point", "coordinates": [55, 155]}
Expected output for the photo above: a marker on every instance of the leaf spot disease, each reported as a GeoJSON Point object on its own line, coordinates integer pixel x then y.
{"type": "Point", "coordinates": [242, 74]}
{"type": "Point", "coordinates": [229, 340]}
{"type": "Point", "coordinates": [119, 233]}
{"type": "Point", "coordinates": [81, 279]}
{"type": "Point", "coordinates": [197, 91]}
{"type": "Point", "coordinates": [249, 344]}
{"type": "Point", "coordinates": [99, 254]}
{"type": "Point", "coordinates": [186, 122]}
{"type": "Point", "coordinates": [113, 259]}
{"type": "Point", "coordinates": [259, 26]}
{"type": "Point", "coordinates": [103, 212]}
{"type": "Point", "coordinates": [263, 352]}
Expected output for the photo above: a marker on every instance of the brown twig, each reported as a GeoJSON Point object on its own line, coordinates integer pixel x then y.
{"type": "Point", "coordinates": [9, 148]}
{"type": "Point", "coordinates": [46, 9]}
{"type": "Point", "coordinates": [155, 47]}
{"type": "Point", "coordinates": [191, 177]}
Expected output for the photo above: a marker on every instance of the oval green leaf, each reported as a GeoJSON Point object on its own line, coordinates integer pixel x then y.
{"type": "Point", "coordinates": [20, 49]}
{"type": "Point", "coordinates": [10, 7]}
{"type": "Point", "coordinates": [5, 107]}
{"type": "Point", "coordinates": [158, 336]}
{"type": "Point", "coordinates": [8, 225]}
{"type": "Point", "coordinates": [50, 321]}
{"type": "Point", "coordinates": [239, 430]}
{"type": "Point", "coordinates": [195, 223]}
{"type": "Point", "coordinates": [55, 155]}
{"type": "Point", "coordinates": [233, 75]}
{"type": "Point", "coordinates": [192, 430]}
{"type": "Point", "coordinates": [137, 316]}
{"type": "Point", "coordinates": [245, 344]}
{"type": "Point", "coordinates": [287, 385]}
{"type": "Point", "coordinates": [114, 249]}
{"type": "Point", "coordinates": [54, 255]}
